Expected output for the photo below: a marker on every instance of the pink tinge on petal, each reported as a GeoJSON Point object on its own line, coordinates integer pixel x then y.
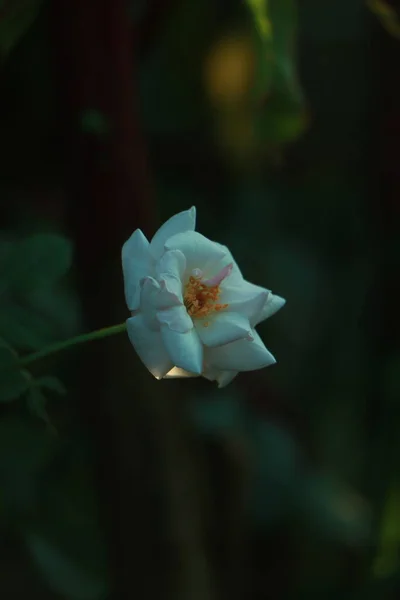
{"type": "Point", "coordinates": [216, 280]}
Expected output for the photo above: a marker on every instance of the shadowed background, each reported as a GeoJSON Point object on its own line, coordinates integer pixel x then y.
{"type": "Point", "coordinates": [280, 121]}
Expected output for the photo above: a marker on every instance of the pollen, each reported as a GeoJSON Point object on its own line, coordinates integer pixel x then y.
{"type": "Point", "coordinates": [201, 300]}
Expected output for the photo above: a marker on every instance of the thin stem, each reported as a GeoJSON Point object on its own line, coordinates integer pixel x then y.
{"type": "Point", "coordinates": [79, 339]}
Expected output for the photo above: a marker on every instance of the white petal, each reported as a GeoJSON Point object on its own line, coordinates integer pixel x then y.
{"type": "Point", "coordinates": [242, 355]}
{"type": "Point", "coordinates": [225, 377]}
{"type": "Point", "coordinates": [158, 295]}
{"type": "Point", "coordinates": [221, 377]}
{"type": "Point", "coordinates": [200, 252]}
{"type": "Point", "coordinates": [223, 328]}
{"type": "Point", "coordinates": [246, 298]}
{"type": "Point", "coordinates": [183, 221]}
{"type": "Point", "coordinates": [172, 262]}
{"type": "Point", "coordinates": [236, 276]}
{"type": "Point", "coordinates": [176, 318]}
{"type": "Point", "coordinates": [149, 346]}
{"type": "Point", "coordinates": [272, 305]}
{"type": "Point", "coordinates": [136, 264]}
{"type": "Point", "coordinates": [184, 349]}
{"type": "Point", "coordinates": [177, 373]}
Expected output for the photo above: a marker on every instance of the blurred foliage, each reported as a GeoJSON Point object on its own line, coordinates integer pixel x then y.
{"type": "Point", "coordinates": [261, 113]}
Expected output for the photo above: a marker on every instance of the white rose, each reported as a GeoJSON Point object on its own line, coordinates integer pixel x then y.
{"type": "Point", "coordinates": [193, 313]}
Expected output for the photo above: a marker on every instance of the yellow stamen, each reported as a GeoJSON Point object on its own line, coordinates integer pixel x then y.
{"type": "Point", "coordinates": [201, 300]}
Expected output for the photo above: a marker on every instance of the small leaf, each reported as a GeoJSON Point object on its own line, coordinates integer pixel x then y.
{"type": "Point", "coordinates": [13, 381]}
{"type": "Point", "coordinates": [36, 401]}
{"type": "Point", "coordinates": [37, 261]}
{"type": "Point", "coordinates": [53, 384]}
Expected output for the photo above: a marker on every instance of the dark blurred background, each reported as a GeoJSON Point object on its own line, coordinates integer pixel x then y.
{"type": "Point", "coordinates": [280, 121]}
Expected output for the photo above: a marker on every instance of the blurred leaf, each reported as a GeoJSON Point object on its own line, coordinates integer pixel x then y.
{"type": "Point", "coordinates": [387, 15]}
{"type": "Point", "coordinates": [67, 544]}
{"type": "Point", "coordinates": [62, 575]}
{"type": "Point", "coordinates": [13, 381]}
{"type": "Point", "coordinates": [276, 461]}
{"type": "Point", "coordinates": [36, 401]}
{"type": "Point", "coordinates": [26, 448]}
{"type": "Point", "coordinates": [332, 511]}
{"type": "Point", "coordinates": [16, 16]}
{"type": "Point", "coordinates": [217, 415]}
{"type": "Point", "coordinates": [387, 560]}
{"type": "Point", "coordinates": [93, 121]}
{"type": "Point", "coordinates": [53, 384]}
{"type": "Point", "coordinates": [34, 262]}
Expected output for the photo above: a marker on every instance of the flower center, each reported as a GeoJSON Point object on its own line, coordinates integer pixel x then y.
{"type": "Point", "coordinates": [201, 297]}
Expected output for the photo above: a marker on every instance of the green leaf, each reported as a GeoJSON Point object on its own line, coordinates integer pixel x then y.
{"type": "Point", "coordinates": [15, 20]}
{"type": "Point", "coordinates": [36, 401]}
{"type": "Point", "coordinates": [35, 262]}
{"type": "Point", "coordinates": [13, 381]}
{"type": "Point", "coordinates": [53, 384]}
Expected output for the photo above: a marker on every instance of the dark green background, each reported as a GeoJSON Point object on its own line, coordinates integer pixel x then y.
{"type": "Point", "coordinates": [285, 484]}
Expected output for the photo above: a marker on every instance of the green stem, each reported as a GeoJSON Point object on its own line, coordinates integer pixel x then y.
{"type": "Point", "coordinates": [79, 339]}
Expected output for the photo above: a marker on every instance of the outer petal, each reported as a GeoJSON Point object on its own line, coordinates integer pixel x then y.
{"type": "Point", "coordinates": [221, 377]}
{"type": "Point", "coordinates": [136, 264]}
{"type": "Point", "coordinates": [176, 318]}
{"type": "Point", "coordinates": [225, 377]}
{"type": "Point", "coordinates": [246, 298]}
{"type": "Point", "coordinates": [184, 349]}
{"type": "Point", "coordinates": [272, 305]}
{"type": "Point", "coordinates": [179, 223]}
{"type": "Point", "coordinates": [149, 346]}
{"type": "Point", "coordinates": [172, 263]}
{"type": "Point", "coordinates": [241, 355]}
{"type": "Point", "coordinates": [200, 252]}
{"type": "Point", "coordinates": [177, 373]}
{"type": "Point", "coordinates": [224, 328]}
{"type": "Point", "coordinates": [236, 276]}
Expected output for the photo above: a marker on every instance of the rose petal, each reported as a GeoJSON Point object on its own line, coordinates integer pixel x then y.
{"type": "Point", "coordinates": [136, 264]}
{"type": "Point", "coordinates": [272, 305]}
{"type": "Point", "coordinates": [223, 378]}
{"type": "Point", "coordinates": [149, 346]}
{"type": "Point", "coordinates": [246, 298]}
{"type": "Point", "coordinates": [184, 349]}
{"type": "Point", "coordinates": [223, 328]}
{"type": "Point", "coordinates": [176, 318]}
{"type": "Point", "coordinates": [183, 221]}
{"type": "Point", "coordinates": [242, 355]}
{"type": "Point", "coordinates": [177, 373]}
{"type": "Point", "coordinates": [172, 262]}
{"type": "Point", "coordinates": [200, 252]}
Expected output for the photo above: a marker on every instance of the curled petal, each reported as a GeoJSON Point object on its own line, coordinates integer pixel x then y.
{"type": "Point", "coordinates": [175, 318]}
{"type": "Point", "coordinates": [149, 346]}
{"type": "Point", "coordinates": [199, 251]}
{"type": "Point", "coordinates": [180, 223]}
{"type": "Point", "coordinates": [242, 355]}
{"type": "Point", "coordinates": [223, 328]}
{"type": "Point", "coordinates": [172, 262]}
{"type": "Point", "coordinates": [184, 349]}
{"type": "Point", "coordinates": [223, 378]}
{"type": "Point", "coordinates": [272, 305]}
{"type": "Point", "coordinates": [136, 264]}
